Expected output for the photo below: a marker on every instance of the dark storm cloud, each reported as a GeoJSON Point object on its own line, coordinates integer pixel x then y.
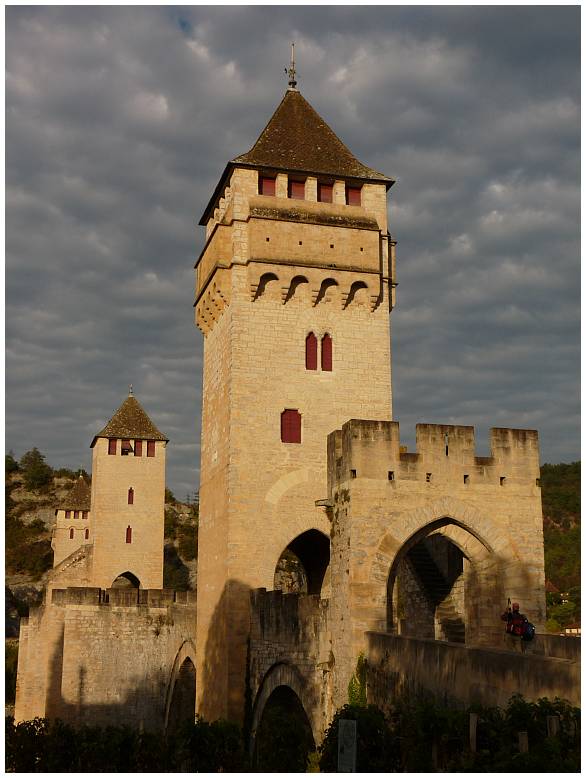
{"type": "Point", "coordinates": [119, 122]}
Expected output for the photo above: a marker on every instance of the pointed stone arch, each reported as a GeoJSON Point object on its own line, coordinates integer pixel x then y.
{"type": "Point", "coordinates": [473, 533]}
{"type": "Point", "coordinates": [185, 655]}
{"type": "Point", "coordinates": [283, 674]}
{"type": "Point", "coordinates": [126, 580]}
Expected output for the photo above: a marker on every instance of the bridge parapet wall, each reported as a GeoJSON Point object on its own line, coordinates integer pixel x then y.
{"type": "Point", "coordinates": [106, 655]}
{"type": "Point", "coordinates": [291, 632]}
{"type": "Point", "coordinates": [460, 676]}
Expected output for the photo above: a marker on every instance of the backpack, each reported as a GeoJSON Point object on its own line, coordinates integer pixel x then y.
{"type": "Point", "coordinates": [528, 631]}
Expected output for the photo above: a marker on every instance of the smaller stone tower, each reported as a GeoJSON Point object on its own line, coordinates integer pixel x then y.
{"type": "Point", "coordinates": [128, 500]}
{"type": "Point", "coordinates": [72, 527]}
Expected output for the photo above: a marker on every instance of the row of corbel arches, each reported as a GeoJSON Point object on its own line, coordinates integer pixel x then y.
{"type": "Point", "coordinates": [324, 290]}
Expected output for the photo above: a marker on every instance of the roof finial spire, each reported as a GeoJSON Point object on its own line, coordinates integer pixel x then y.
{"type": "Point", "coordinates": [130, 390]}
{"type": "Point", "coordinates": [291, 70]}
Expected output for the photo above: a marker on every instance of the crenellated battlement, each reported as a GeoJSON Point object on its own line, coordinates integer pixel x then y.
{"type": "Point", "coordinates": [372, 449]}
{"type": "Point", "coordinates": [91, 595]}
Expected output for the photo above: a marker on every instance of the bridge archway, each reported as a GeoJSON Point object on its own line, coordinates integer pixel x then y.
{"type": "Point", "coordinates": [180, 696]}
{"type": "Point", "coordinates": [126, 580]}
{"type": "Point", "coordinates": [303, 564]}
{"type": "Point", "coordinates": [282, 710]}
{"type": "Point", "coordinates": [434, 582]}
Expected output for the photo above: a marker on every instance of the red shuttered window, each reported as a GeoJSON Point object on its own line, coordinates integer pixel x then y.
{"type": "Point", "coordinates": [291, 426]}
{"type": "Point", "coordinates": [266, 186]}
{"type": "Point", "coordinates": [150, 448]}
{"type": "Point", "coordinates": [67, 514]}
{"type": "Point", "coordinates": [131, 496]}
{"type": "Point", "coordinates": [311, 352]}
{"type": "Point", "coordinates": [296, 190]}
{"type": "Point", "coordinates": [325, 193]}
{"type": "Point", "coordinates": [326, 352]}
{"type": "Point", "coordinates": [112, 446]}
{"type": "Point", "coordinates": [129, 534]}
{"type": "Point", "coordinates": [138, 448]}
{"type": "Point", "coordinates": [71, 534]}
{"type": "Point", "coordinates": [76, 514]}
{"type": "Point", "coordinates": [352, 195]}
{"type": "Point", "coordinates": [85, 514]}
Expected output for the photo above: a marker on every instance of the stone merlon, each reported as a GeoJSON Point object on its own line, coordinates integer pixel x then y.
{"type": "Point", "coordinates": [372, 449]}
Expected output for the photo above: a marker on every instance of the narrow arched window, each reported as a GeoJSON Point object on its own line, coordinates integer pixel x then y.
{"type": "Point", "coordinates": [131, 496]}
{"type": "Point", "coordinates": [87, 534]}
{"type": "Point", "coordinates": [129, 534]}
{"type": "Point", "coordinates": [71, 533]}
{"type": "Point", "coordinates": [291, 426]}
{"type": "Point", "coordinates": [326, 352]}
{"type": "Point", "coordinates": [311, 352]}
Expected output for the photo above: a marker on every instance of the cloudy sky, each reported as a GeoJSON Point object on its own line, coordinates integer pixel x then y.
{"type": "Point", "coordinates": [119, 122]}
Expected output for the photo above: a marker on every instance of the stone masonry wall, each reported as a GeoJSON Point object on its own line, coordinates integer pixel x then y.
{"type": "Point", "coordinates": [102, 658]}
{"type": "Point", "coordinates": [461, 676]}
{"type": "Point", "coordinates": [290, 642]}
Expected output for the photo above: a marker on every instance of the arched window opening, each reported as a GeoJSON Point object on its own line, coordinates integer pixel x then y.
{"type": "Point", "coordinates": [71, 533]}
{"type": "Point", "coordinates": [182, 706]}
{"type": "Point", "coordinates": [426, 595]}
{"type": "Point", "coordinates": [290, 426]}
{"type": "Point", "coordinates": [126, 580]}
{"type": "Point", "coordinates": [283, 712]}
{"type": "Point", "coordinates": [311, 352]}
{"type": "Point", "coordinates": [303, 565]}
{"type": "Point", "coordinates": [129, 534]}
{"type": "Point", "coordinates": [131, 496]}
{"type": "Point", "coordinates": [326, 353]}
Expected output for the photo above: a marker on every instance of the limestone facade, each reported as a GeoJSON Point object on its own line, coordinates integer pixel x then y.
{"type": "Point", "coordinates": [291, 269]}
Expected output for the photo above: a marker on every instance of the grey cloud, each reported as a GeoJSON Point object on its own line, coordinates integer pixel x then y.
{"type": "Point", "coordinates": [119, 122]}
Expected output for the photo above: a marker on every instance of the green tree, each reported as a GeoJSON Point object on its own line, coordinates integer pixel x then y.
{"type": "Point", "coordinates": [38, 476]}
{"type": "Point", "coordinates": [11, 465]}
{"type": "Point", "coordinates": [376, 748]}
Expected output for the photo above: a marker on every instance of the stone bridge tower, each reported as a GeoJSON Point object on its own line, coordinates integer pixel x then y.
{"type": "Point", "coordinates": [128, 499]}
{"type": "Point", "coordinates": [294, 288]}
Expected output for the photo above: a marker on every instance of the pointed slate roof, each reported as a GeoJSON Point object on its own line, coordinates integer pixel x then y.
{"type": "Point", "coordinates": [130, 421]}
{"type": "Point", "coordinates": [79, 496]}
{"type": "Point", "coordinates": [296, 138]}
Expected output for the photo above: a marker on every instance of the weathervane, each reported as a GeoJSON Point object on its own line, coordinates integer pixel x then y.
{"type": "Point", "coordinates": [290, 71]}
{"type": "Point", "coordinates": [130, 390]}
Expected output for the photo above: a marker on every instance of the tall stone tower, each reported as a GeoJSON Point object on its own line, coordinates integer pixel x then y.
{"type": "Point", "coordinates": [294, 288]}
{"type": "Point", "coordinates": [128, 499]}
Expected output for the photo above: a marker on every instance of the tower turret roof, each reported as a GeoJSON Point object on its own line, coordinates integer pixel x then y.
{"type": "Point", "coordinates": [297, 139]}
{"type": "Point", "coordinates": [130, 421]}
{"type": "Point", "coordinates": [78, 497]}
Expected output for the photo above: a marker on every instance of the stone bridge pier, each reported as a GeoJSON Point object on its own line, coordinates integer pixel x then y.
{"type": "Point", "coordinates": [290, 647]}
